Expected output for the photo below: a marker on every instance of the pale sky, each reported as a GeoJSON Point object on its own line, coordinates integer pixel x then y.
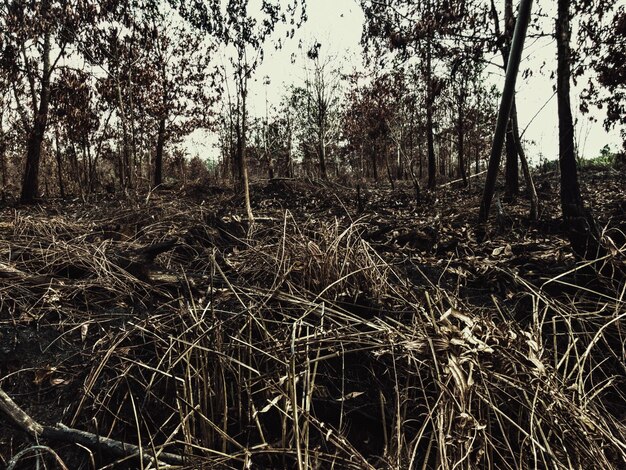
{"type": "Point", "coordinates": [337, 25]}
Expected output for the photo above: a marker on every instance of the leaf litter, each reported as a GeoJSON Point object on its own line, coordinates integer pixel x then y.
{"type": "Point", "coordinates": [395, 337]}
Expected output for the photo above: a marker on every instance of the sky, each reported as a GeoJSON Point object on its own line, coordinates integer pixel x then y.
{"type": "Point", "coordinates": [337, 25]}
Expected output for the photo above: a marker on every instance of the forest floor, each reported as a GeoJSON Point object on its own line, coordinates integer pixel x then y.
{"type": "Point", "coordinates": [391, 335]}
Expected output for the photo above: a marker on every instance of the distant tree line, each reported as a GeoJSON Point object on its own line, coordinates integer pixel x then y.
{"type": "Point", "coordinates": [99, 95]}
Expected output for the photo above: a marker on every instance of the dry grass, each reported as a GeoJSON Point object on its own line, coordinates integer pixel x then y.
{"type": "Point", "coordinates": [294, 344]}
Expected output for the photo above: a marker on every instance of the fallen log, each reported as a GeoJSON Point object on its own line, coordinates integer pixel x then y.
{"type": "Point", "coordinates": [62, 433]}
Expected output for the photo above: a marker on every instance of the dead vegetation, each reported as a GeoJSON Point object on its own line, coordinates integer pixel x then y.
{"type": "Point", "coordinates": [320, 337]}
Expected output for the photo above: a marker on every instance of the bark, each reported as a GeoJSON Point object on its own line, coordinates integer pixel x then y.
{"type": "Point", "coordinates": [389, 172]}
{"type": "Point", "coordinates": [243, 163]}
{"type": "Point", "coordinates": [30, 185]}
{"type": "Point", "coordinates": [59, 166]}
{"type": "Point", "coordinates": [511, 184]}
{"type": "Point", "coordinates": [134, 169]}
{"type": "Point", "coordinates": [158, 158]}
{"type": "Point", "coordinates": [27, 424]}
{"type": "Point", "coordinates": [432, 170]}
{"type": "Point", "coordinates": [571, 199]}
{"type": "Point", "coordinates": [582, 231]}
{"type": "Point", "coordinates": [76, 169]}
{"type": "Point", "coordinates": [477, 158]}
{"type": "Point", "coordinates": [416, 183]}
{"type": "Point", "coordinates": [374, 166]}
{"type": "Point", "coordinates": [289, 158]}
{"type": "Point", "coordinates": [511, 166]}
{"type": "Point", "coordinates": [508, 93]}
{"type": "Point", "coordinates": [461, 138]}
{"type": "Point", "coordinates": [530, 184]}
{"type": "Point", "coordinates": [399, 166]}
{"type": "Point", "coordinates": [3, 163]}
{"type": "Point", "coordinates": [125, 171]}
{"type": "Point", "coordinates": [322, 153]}
{"type": "Point", "coordinates": [91, 174]}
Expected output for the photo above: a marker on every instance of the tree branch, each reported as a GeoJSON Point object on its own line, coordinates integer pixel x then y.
{"type": "Point", "coordinates": [62, 433]}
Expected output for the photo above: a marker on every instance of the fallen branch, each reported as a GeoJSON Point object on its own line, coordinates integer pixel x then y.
{"type": "Point", "coordinates": [450, 183]}
{"type": "Point", "coordinates": [63, 433]}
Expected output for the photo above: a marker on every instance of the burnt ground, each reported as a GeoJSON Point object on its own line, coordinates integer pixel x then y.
{"type": "Point", "coordinates": [76, 277]}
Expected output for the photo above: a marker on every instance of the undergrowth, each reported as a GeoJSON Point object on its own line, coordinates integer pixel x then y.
{"type": "Point", "coordinates": [296, 344]}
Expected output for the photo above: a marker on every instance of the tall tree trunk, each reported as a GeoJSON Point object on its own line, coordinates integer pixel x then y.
{"type": "Point", "coordinates": [90, 177]}
{"type": "Point", "coordinates": [477, 158]}
{"type": "Point", "coordinates": [242, 149]}
{"type": "Point", "coordinates": [571, 199]}
{"type": "Point", "coordinates": [3, 163]}
{"type": "Point", "coordinates": [430, 135]}
{"type": "Point", "coordinates": [460, 129]}
{"type": "Point", "coordinates": [373, 159]}
{"type": "Point", "coordinates": [399, 164]}
{"type": "Point", "coordinates": [135, 169]}
{"type": "Point", "coordinates": [158, 157]}
{"type": "Point", "coordinates": [421, 159]}
{"type": "Point", "coordinates": [530, 184]}
{"type": "Point", "coordinates": [508, 93]}
{"type": "Point", "coordinates": [511, 177]}
{"type": "Point", "coordinates": [511, 184]}
{"type": "Point", "coordinates": [125, 168]}
{"type": "Point", "coordinates": [511, 165]}
{"type": "Point", "coordinates": [30, 185]}
{"type": "Point", "coordinates": [582, 231]}
{"type": "Point", "coordinates": [322, 153]}
{"type": "Point", "coordinates": [59, 160]}
{"type": "Point", "coordinates": [290, 173]}
{"type": "Point", "coordinates": [389, 173]}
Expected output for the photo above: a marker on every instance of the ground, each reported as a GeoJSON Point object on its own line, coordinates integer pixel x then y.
{"type": "Point", "coordinates": [371, 333]}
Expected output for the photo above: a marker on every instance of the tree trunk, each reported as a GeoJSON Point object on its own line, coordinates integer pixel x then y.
{"type": "Point", "coordinates": [389, 173]}
{"type": "Point", "coordinates": [460, 129]}
{"type": "Point", "coordinates": [289, 158]}
{"type": "Point", "coordinates": [91, 176]}
{"type": "Point", "coordinates": [135, 169]}
{"type": "Point", "coordinates": [125, 170]}
{"type": "Point", "coordinates": [430, 136]}
{"type": "Point", "coordinates": [242, 150]}
{"type": "Point", "coordinates": [322, 154]}
{"type": "Point", "coordinates": [582, 231]}
{"type": "Point", "coordinates": [30, 185]}
{"type": "Point", "coordinates": [399, 165]}
{"type": "Point", "coordinates": [511, 166]}
{"type": "Point", "coordinates": [373, 159]}
{"type": "Point", "coordinates": [59, 166]}
{"type": "Point", "coordinates": [571, 200]}
{"type": "Point", "coordinates": [511, 177]}
{"type": "Point", "coordinates": [530, 184]}
{"type": "Point", "coordinates": [508, 93]}
{"type": "Point", "coordinates": [3, 163]}
{"type": "Point", "coordinates": [158, 158]}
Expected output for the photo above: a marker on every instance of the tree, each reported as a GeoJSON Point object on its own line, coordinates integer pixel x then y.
{"type": "Point", "coordinates": [513, 146]}
{"type": "Point", "coordinates": [367, 119]}
{"type": "Point", "coordinates": [571, 200]}
{"type": "Point", "coordinates": [247, 29]}
{"type": "Point", "coordinates": [35, 37]}
{"type": "Point", "coordinates": [76, 117]}
{"type": "Point", "coordinates": [182, 92]}
{"type": "Point", "coordinates": [321, 101]}
{"type": "Point", "coordinates": [607, 48]}
{"type": "Point", "coordinates": [402, 29]}
{"type": "Point", "coordinates": [508, 92]}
